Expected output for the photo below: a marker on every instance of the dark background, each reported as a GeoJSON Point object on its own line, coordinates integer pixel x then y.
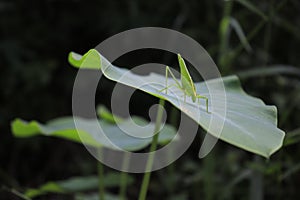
{"type": "Point", "coordinates": [36, 83]}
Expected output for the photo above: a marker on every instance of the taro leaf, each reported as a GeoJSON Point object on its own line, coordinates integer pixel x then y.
{"type": "Point", "coordinates": [65, 128]}
{"type": "Point", "coordinates": [76, 185]}
{"type": "Point", "coordinates": [248, 122]}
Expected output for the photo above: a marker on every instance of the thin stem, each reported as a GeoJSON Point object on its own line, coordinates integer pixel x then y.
{"type": "Point", "coordinates": [224, 33]}
{"type": "Point", "coordinates": [208, 173]}
{"type": "Point", "coordinates": [146, 179]}
{"type": "Point", "coordinates": [124, 176]}
{"type": "Point", "coordinates": [15, 192]}
{"type": "Point", "coordinates": [256, 182]}
{"type": "Point", "coordinates": [249, 37]}
{"type": "Point", "coordinates": [171, 166]}
{"type": "Point", "coordinates": [257, 29]}
{"type": "Point", "coordinates": [100, 170]}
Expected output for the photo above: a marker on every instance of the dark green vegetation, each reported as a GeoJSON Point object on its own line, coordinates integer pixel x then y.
{"type": "Point", "coordinates": [37, 83]}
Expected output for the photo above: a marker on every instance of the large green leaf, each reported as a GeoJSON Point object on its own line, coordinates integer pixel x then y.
{"type": "Point", "coordinates": [84, 132]}
{"type": "Point", "coordinates": [249, 123]}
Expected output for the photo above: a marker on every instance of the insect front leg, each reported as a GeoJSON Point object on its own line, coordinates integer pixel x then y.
{"type": "Point", "coordinates": [166, 88]}
{"type": "Point", "coordinates": [167, 76]}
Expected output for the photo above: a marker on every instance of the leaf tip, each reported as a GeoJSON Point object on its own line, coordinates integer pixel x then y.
{"type": "Point", "coordinates": [90, 60]}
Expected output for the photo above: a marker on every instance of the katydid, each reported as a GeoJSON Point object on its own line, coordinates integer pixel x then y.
{"type": "Point", "coordinates": [187, 85]}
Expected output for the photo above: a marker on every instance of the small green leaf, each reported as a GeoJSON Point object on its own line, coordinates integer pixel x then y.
{"type": "Point", "coordinates": [104, 113]}
{"type": "Point", "coordinates": [65, 128]}
{"type": "Point", "coordinates": [249, 123]}
{"type": "Point", "coordinates": [76, 185]}
{"type": "Point", "coordinates": [50, 187]}
{"type": "Point", "coordinates": [93, 61]}
{"type": "Point", "coordinates": [62, 127]}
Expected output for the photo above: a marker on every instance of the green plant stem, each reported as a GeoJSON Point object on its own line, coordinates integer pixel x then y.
{"type": "Point", "coordinates": [171, 166]}
{"type": "Point", "coordinates": [100, 170]}
{"type": "Point", "coordinates": [124, 176]}
{"type": "Point", "coordinates": [146, 179]}
{"type": "Point", "coordinates": [224, 33]}
{"type": "Point", "coordinates": [256, 182]}
{"type": "Point", "coordinates": [208, 174]}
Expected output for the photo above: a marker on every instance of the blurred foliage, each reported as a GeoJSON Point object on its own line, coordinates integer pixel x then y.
{"type": "Point", "coordinates": [36, 80]}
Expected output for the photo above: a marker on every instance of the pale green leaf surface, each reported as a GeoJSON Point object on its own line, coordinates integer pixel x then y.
{"type": "Point", "coordinates": [249, 123]}
{"type": "Point", "coordinates": [87, 134]}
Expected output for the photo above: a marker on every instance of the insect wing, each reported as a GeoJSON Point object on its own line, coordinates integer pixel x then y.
{"type": "Point", "coordinates": [186, 79]}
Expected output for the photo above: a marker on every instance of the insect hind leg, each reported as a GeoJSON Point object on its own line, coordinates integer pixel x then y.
{"type": "Point", "coordinates": [206, 101]}
{"type": "Point", "coordinates": [177, 84]}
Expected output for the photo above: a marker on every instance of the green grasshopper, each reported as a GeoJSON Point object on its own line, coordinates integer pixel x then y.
{"type": "Point", "coordinates": [187, 85]}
